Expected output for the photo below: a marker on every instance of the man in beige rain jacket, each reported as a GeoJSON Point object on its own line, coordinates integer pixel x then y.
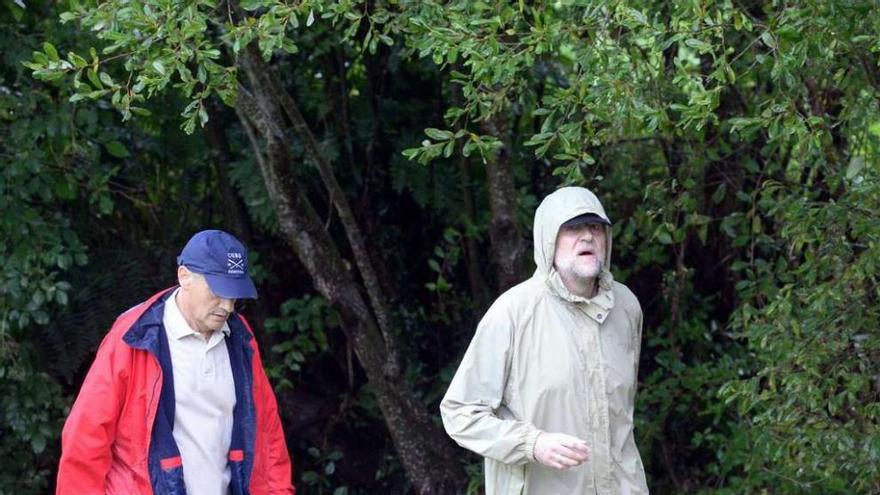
{"type": "Point", "coordinates": [546, 389]}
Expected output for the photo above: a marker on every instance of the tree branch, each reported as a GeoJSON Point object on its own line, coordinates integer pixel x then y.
{"type": "Point", "coordinates": [266, 78]}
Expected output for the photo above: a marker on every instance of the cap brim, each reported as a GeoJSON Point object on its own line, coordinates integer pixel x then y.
{"type": "Point", "coordinates": [231, 288]}
{"type": "Point", "coordinates": [586, 218]}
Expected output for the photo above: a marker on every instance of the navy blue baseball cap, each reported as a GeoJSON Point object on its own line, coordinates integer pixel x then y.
{"type": "Point", "coordinates": [586, 218]}
{"type": "Point", "coordinates": [222, 260]}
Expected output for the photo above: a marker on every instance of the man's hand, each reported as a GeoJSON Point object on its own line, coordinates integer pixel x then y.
{"type": "Point", "coordinates": [560, 451]}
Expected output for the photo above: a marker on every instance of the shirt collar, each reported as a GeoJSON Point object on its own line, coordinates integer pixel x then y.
{"type": "Point", "coordinates": [176, 326]}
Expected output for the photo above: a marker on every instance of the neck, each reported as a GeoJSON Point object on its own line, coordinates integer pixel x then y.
{"type": "Point", "coordinates": [183, 305]}
{"type": "Point", "coordinates": [585, 288]}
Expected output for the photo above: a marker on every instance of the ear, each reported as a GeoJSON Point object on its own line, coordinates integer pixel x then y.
{"type": "Point", "coordinates": [184, 276]}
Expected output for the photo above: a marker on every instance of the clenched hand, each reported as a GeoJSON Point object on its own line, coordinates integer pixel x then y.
{"type": "Point", "coordinates": [560, 451]}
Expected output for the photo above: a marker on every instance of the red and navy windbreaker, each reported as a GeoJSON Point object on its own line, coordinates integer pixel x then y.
{"type": "Point", "coordinates": [118, 437]}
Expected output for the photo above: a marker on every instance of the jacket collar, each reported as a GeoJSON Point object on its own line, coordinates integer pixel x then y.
{"type": "Point", "coordinates": [146, 321]}
{"type": "Point", "coordinates": [596, 307]}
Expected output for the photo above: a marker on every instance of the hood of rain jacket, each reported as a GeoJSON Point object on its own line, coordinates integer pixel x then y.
{"type": "Point", "coordinates": [545, 359]}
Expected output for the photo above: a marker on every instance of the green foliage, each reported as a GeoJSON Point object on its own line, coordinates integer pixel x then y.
{"type": "Point", "coordinates": [47, 148]}
{"type": "Point", "coordinates": [167, 40]}
{"type": "Point", "coordinates": [246, 177]}
{"type": "Point", "coordinates": [814, 404]}
{"type": "Point", "coordinates": [446, 256]}
{"type": "Point", "coordinates": [303, 323]}
{"type": "Point", "coordinates": [31, 410]}
{"type": "Point", "coordinates": [686, 90]}
{"type": "Point", "coordinates": [68, 342]}
{"type": "Point", "coordinates": [735, 145]}
{"type": "Point", "coordinates": [320, 481]}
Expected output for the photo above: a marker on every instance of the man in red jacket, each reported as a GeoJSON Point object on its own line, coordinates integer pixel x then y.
{"type": "Point", "coordinates": [177, 401]}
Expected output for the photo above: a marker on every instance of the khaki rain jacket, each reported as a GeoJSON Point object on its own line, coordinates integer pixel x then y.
{"type": "Point", "coordinates": [544, 359]}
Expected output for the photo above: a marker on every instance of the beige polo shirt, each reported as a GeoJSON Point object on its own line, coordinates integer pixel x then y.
{"type": "Point", "coordinates": [204, 395]}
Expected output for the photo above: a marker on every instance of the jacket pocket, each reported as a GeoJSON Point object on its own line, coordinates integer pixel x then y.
{"type": "Point", "coordinates": [236, 469]}
{"type": "Point", "coordinates": [505, 479]}
{"type": "Point", "coordinates": [170, 477]}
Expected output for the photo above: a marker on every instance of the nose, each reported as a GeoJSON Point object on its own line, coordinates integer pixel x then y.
{"type": "Point", "coordinates": [227, 305]}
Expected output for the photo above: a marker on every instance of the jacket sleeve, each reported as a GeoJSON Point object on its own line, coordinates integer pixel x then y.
{"type": "Point", "coordinates": [90, 427]}
{"type": "Point", "coordinates": [637, 350]}
{"type": "Point", "coordinates": [470, 407]}
{"type": "Point", "coordinates": [274, 447]}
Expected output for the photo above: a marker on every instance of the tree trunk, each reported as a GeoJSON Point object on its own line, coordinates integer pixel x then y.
{"type": "Point", "coordinates": [478, 287]}
{"type": "Point", "coordinates": [507, 239]}
{"type": "Point", "coordinates": [426, 454]}
{"type": "Point", "coordinates": [234, 209]}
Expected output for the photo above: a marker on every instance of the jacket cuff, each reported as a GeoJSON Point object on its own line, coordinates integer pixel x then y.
{"type": "Point", "coordinates": [531, 439]}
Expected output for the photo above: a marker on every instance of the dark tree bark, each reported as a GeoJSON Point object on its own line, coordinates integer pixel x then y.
{"type": "Point", "coordinates": [507, 239]}
{"type": "Point", "coordinates": [478, 287]}
{"type": "Point", "coordinates": [477, 283]}
{"type": "Point", "coordinates": [428, 457]}
{"type": "Point", "coordinates": [333, 65]}
{"type": "Point", "coordinates": [234, 209]}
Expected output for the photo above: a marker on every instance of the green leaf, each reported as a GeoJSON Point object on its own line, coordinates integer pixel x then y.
{"type": "Point", "coordinates": [768, 40]}
{"type": "Point", "coordinates": [105, 204]}
{"type": "Point", "coordinates": [539, 138]}
{"type": "Point", "coordinates": [50, 50]}
{"type": "Point", "coordinates": [720, 192]}
{"type": "Point", "coordinates": [77, 61]}
{"type": "Point", "coordinates": [449, 148]}
{"type": "Point", "coordinates": [438, 134]}
{"type": "Point", "coordinates": [38, 444]}
{"type": "Point", "coordinates": [856, 164]}
{"type": "Point", "coordinates": [64, 261]}
{"type": "Point", "coordinates": [250, 5]}
{"type": "Point", "coordinates": [93, 78]}
{"type": "Point", "coordinates": [637, 15]}
{"type": "Point", "coordinates": [42, 318]}
{"type": "Point", "coordinates": [699, 45]}
{"type": "Point", "coordinates": [106, 79]}
{"type": "Point", "coordinates": [117, 149]}
{"type": "Point", "coordinates": [65, 189]}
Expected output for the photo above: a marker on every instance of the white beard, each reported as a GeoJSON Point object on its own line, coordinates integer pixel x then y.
{"type": "Point", "coordinates": [573, 269]}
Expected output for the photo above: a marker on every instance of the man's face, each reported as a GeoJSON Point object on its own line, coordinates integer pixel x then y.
{"type": "Point", "coordinates": [580, 251]}
{"type": "Point", "coordinates": [202, 309]}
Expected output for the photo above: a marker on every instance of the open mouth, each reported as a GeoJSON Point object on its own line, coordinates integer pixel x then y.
{"type": "Point", "coordinates": [586, 252]}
